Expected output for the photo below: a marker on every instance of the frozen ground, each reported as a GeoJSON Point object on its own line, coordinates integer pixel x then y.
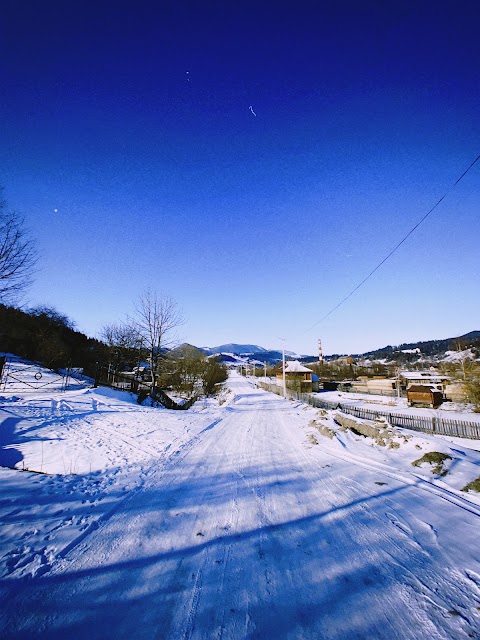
{"type": "Point", "coordinates": [238, 520]}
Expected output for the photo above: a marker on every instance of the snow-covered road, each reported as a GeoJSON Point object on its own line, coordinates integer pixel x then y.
{"type": "Point", "coordinates": [249, 531]}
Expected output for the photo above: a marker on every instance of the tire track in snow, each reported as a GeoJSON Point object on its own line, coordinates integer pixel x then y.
{"type": "Point", "coordinates": [420, 482]}
{"type": "Point", "coordinates": [458, 603]}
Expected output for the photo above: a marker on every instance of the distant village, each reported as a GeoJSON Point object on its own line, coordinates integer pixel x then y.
{"type": "Point", "coordinates": [424, 380]}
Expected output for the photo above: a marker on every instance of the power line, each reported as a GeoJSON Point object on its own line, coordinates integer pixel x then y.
{"type": "Point", "coordinates": [396, 247]}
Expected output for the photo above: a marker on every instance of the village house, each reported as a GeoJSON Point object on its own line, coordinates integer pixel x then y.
{"type": "Point", "coordinates": [427, 378]}
{"type": "Point", "coordinates": [297, 376]}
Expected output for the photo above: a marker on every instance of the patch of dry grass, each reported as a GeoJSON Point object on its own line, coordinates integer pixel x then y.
{"type": "Point", "coordinates": [474, 485]}
{"type": "Point", "coordinates": [434, 458]}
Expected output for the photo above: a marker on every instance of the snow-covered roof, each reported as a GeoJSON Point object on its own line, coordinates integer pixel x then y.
{"type": "Point", "coordinates": [294, 366]}
{"type": "Point", "coordinates": [422, 375]}
{"type": "Point", "coordinates": [422, 387]}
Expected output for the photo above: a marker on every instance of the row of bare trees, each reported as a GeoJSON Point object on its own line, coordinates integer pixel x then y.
{"type": "Point", "coordinates": [149, 334]}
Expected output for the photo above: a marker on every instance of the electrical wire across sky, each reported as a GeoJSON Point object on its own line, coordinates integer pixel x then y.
{"type": "Point", "coordinates": [395, 248]}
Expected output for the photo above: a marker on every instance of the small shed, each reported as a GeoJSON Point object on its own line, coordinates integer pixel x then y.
{"type": "Point", "coordinates": [330, 385]}
{"type": "Point", "coordinates": [418, 394]}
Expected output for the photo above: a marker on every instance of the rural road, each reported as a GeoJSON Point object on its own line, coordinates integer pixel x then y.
{"type": "Point", "coordinates": [249, 531]}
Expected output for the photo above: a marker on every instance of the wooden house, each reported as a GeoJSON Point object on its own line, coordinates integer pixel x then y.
{"type": "Point", "coordinates": [418, 394]}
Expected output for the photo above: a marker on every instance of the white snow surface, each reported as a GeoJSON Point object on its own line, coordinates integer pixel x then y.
{"type": "Point", "coordinates": [459, 356]}
{"type": "Point", "coordinates": [234, 519]}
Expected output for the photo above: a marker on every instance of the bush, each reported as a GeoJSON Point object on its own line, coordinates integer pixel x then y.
{"type": "Point", "coordinates": [473, 486]}
{"type": "Point", "coordinates": [213, 374]}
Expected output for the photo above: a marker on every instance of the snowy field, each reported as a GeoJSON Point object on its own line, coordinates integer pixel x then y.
{"type": "Point", "coordinates": [448, 410]}
{"type": "Point", "coordinates": [235, 520]}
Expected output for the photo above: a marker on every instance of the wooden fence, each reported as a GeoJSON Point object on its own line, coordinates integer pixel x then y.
{"type": "Point", "coordinates": [107, 377]}
{"type": "Point", "coordinates": [426, 424]}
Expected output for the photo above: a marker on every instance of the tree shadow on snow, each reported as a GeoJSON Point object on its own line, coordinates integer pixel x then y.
{"type": "Point", "coordinates": [215, 554]}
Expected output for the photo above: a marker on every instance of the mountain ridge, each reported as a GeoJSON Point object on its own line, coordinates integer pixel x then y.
{"type": "Point", "coordinates": [404, 351]}
{"type": "Point", "coordinates": [427, 347]}
{"type": "Point", "coordinates": [235, 348]}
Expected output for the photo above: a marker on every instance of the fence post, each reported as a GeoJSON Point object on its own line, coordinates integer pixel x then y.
{"type": "Point", "coordinates": [434, 422]}
{"type": "Point", "coordinates": [97, 375]}
{"type": "Point", "coordinates": [3, 359]}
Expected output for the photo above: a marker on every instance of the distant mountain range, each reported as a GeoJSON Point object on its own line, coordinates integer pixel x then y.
{"type": "Point", "coordinates": [233, 352]}
{"type": "Point", "coordinates": [236, 349]}
{"type": "Point", "coordinates": [406, 352]}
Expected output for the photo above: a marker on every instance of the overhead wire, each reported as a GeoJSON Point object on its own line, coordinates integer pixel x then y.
{"type": "Point", "coordinates": [395, 248]}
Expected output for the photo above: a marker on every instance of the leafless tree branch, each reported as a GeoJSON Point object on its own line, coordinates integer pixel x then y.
{"type": "Point", "coordinates": [17, 254]}
{"type": "Point", "coordinates": [155, 320]}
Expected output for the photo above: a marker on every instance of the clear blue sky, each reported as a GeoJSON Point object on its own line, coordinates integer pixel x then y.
{"type": "Point", "coordinates": [134, 122]}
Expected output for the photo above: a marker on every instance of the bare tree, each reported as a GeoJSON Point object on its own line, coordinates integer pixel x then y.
{"type": "Point", "coordinates": [17, 254]}
{"type": "Point", "coordinates": [155, 321]}
{"type": "Point", "coordinates": [122, 340]}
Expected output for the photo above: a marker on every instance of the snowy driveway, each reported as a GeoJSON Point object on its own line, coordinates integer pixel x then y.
{"type": "Point", "coordinates": [249, 531]}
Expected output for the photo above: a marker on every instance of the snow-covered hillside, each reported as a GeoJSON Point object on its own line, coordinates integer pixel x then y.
{"type": "Point", "coordinates": [248, 517]}
{"type": "Point", "coordinates": [236, 349]}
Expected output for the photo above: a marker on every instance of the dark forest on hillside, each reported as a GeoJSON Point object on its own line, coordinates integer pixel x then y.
{"type": "Point", "coordinates": [45, 335]}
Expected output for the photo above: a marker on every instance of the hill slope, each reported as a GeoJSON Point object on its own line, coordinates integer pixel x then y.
{"type": "Point", "coordinates": [237, 349]}
{"type": "Point", "coordinates": [428, 348]}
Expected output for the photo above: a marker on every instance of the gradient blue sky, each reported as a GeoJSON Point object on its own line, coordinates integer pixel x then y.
{"type": "Point", "coordinates": [367, 112]}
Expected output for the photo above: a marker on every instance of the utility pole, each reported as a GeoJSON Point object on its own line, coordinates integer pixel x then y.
{"type": "Point", "coordinates": [283, 368]}
{"type": "Point", "coordinates": [284, 382]}
{"type": "Point", "coordinates": [397, 382]}
{"type": "Point", "coordinates": [265, 369]}
{"type": "Point", "coordinates": [320, 352]}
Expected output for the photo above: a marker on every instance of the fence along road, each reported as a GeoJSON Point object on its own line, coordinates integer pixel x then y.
{"type": "Point", "coordinates": [427, 424]}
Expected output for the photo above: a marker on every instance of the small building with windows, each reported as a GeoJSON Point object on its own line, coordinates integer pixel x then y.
{"type": "Point", "coordinates": [426, 378]}
{"type": "Point", "coordinates": [297, 376]}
